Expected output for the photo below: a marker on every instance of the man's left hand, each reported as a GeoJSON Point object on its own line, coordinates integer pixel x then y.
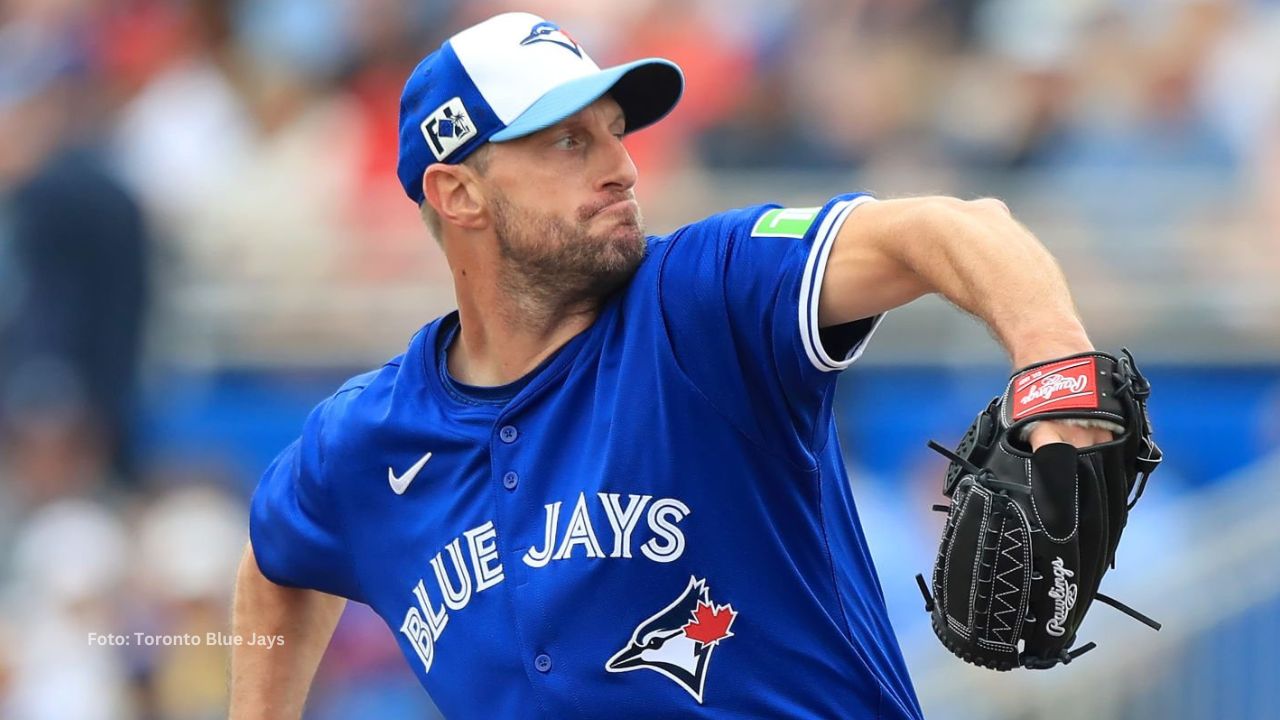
{"type": "Point", "coordinates": [1058, 431]}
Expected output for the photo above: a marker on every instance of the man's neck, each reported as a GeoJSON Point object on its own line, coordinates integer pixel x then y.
{"type": "Point", "coordinates": [499, 341]}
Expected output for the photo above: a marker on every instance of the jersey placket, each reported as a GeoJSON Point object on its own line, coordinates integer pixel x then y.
{"type": "Point", "coordinates": [510, 481]}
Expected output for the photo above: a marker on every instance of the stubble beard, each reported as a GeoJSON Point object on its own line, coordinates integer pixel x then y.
{"type": "Point", "coordinates": [553, 266]}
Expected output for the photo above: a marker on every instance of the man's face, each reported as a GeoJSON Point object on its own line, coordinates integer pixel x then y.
{"type": "Point", "coordinates": [563, 206]}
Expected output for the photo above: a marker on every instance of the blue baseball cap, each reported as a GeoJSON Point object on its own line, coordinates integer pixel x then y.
{"type": "Point", "coordinates": [510, 76]}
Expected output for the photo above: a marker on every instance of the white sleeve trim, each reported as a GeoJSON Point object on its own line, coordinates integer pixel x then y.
{"type": "Point", "coordinates": [811, 289]}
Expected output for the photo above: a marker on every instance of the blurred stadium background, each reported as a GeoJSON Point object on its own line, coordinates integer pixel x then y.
{"type": "Point", "coordinates": [201, 235]}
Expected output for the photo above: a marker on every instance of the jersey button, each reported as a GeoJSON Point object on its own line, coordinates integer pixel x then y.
{"type": "Point", "coordinates": [510, 480]}
{"type": "Point", "coordinates": [508, 434]}
{"type": "Point", "coordinates": [543, 663]}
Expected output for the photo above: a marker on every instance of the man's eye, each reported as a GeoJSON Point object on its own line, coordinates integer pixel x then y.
{"type": "Point", "coordinates": [568, 142]}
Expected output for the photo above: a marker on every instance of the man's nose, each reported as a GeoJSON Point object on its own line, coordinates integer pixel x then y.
{"type": "Point", "coordinates": [619, 172]}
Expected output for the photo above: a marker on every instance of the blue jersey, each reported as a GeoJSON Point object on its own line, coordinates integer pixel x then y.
{"type": "Point", "coordinates": [656, 522]}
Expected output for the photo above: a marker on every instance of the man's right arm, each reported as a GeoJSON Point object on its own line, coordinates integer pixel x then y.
{"type": "Point", "coordinates": [272, 680]}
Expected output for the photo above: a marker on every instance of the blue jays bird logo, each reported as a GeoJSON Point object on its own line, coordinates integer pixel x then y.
{"type": "Point", "coordinates": [678, 640]}
{"type": "Point", "coordinates": [551, 32]}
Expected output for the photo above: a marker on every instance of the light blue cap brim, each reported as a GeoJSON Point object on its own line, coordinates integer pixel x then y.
{"type": "Point", "coordinates": [646, 89]}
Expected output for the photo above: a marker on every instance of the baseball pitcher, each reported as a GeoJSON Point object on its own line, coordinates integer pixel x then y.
{"type": "Point", "coordinates": [609, 485]}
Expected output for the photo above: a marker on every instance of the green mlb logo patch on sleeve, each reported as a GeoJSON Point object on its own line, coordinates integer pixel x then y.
{"type": "Point", "coordinates": [785, 222]}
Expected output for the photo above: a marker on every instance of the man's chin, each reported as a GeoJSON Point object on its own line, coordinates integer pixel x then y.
{"type": "Point", "coordinates": [627, 246]}
{"type": "Point", "coordinates": [622, 255]}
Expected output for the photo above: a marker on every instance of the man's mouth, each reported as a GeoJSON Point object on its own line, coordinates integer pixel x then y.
{"type": "Point", "coordinates": [610, 206]}
{"type": "Point", "coordinates": [625, 203]}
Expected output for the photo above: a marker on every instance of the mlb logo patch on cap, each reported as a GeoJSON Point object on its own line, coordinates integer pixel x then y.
{"type": "Point", "coordinates": [448, 128]}
{"type": "Point", "coordinates": [508, 77]}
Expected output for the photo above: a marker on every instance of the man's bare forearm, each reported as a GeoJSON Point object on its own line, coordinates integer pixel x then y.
{"type": "Point", "coordinates": [979, 257]}
{"type": "Point", "coordinates": [272, 680]}
{"type": "Point", "coordinates": [973, 253]}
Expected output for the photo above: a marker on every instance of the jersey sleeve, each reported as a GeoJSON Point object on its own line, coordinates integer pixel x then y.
{"type": "Point", "coordinates": [739, 294]}
{"type": "Point", "coordinates": [294, 526]}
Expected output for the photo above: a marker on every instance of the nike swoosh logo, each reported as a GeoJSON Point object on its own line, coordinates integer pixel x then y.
{"type": "Point", "coordinates": [400, 484]}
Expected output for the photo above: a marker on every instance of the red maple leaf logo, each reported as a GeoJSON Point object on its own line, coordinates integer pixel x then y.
{"type": "Point", "coordinates": [710, 624]}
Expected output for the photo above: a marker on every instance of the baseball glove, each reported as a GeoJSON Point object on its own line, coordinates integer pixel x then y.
{"type": "Point", "coordinates": [1029, 535]}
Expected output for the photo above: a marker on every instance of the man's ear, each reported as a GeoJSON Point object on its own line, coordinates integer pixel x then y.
{"type": "Point", "coordinates": [454, 193]}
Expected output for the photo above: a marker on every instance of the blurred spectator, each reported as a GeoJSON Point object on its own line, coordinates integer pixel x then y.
{"type": "Point", "coordinates": [69, 561]}
{"type": "Point", "coordinates": [1007, 106]}
{"type": "Point", "coordinates": [182, 127]}
{"type": "Point", "coordinates": [1155, 121]}
{"type": "Point", "coordinates": [189, 542]}
{"type": "Point", "coordinates": [718, 69]}
{"type": "Point", "coordinates": [772, 129]}
{"type": "Point", "coordinates": [1240, 85]}
{"type": "Point", "coordinates": [77, 245]}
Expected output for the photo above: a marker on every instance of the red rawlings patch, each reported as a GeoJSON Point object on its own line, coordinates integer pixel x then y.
{"type": "Point", "coordinates": [1069, 384]}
